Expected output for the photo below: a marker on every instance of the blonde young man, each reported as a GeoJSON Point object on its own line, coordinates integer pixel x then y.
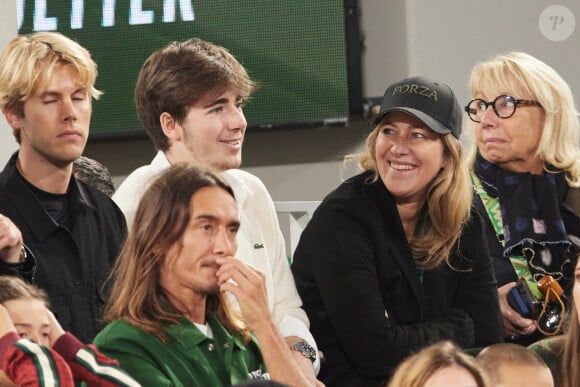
{"type": "Point", "coordinates": [189, 98]}
{"type": "Point", "coordinates": [73, 230]}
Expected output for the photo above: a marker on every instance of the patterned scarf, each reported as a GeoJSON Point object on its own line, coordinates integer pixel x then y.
{"type": "Point", "coordinates": [532, 209]}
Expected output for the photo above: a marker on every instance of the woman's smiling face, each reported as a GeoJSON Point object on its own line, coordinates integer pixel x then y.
{"type": "Point", "coordinates": [408, 155]}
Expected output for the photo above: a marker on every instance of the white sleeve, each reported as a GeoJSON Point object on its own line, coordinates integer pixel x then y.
{"type": "Point", "coordinates": [287, 306]}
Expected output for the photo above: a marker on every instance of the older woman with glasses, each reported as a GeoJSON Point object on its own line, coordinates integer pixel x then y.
{"type": "Point", "coordinates": [526, 168]}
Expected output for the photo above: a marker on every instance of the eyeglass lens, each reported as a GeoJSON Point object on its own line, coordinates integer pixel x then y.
{"type": "Point", "coordinates": [504, 106]}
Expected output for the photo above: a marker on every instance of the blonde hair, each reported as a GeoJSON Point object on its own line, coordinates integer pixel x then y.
{"type": "Point", "coordinates": [14, 288]}
{"type": "Point", "coordinates": [27, 64]}
{"type": "Point", "coordinates": [160, 221]}
{"type": "Point", "coordinates": [449, 198]}
{"type": "Point", "coordinates": [417, 369]}
{"type": "Point", "coordinates": [518, 71]}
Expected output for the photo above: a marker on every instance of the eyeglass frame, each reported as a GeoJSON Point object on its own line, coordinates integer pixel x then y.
{"type": "Point", "coordinates": [516, 101]}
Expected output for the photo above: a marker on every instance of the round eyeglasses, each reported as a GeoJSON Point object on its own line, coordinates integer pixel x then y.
{"type": "Point", "coordinates": [504, 106]}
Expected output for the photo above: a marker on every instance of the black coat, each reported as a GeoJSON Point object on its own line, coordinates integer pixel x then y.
{"type": "Point", "coordinates": [71, 263]}
{"type": "Point", "coordinates": [362, 292]}
{"type": "Point", "coordinates": [502, 265]}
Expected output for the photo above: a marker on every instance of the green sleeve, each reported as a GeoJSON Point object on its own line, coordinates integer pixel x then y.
{"type": "Point", "coordinates": [133, 349]}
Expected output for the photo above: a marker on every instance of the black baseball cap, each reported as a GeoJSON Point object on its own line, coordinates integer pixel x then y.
{"type": "Point", "coordinates": [431, 102]}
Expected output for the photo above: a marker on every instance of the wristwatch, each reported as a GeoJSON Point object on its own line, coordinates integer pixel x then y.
{"type": "Point", "coordinates": [305, 350]}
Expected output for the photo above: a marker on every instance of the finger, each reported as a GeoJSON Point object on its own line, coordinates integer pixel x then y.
{"type": "Point", "coordinates": [236, 266]}
{"type": "Point", "coordinates": [231, 288]}
{"type": "Point", "coordinates": [508, 328]}
{"type": "Point", "coordinates": [519, 325]}
{"type": "Point", "coordinates": [229, 263]}
{"type": "Point", "coordinates": [9, 238]}
{"type": "Point", "coordinates": [226, 274]}
{"type": "Point", "coordinates": [517, 321]}
{"type": "Point", "coordinates": [238, 279]}
{"type": "Point", "coordinates": [10, 235]}
{"type": "Point", "coordinates": [235, 280]}
{"type": "Point", "coordinates": [529, 330]}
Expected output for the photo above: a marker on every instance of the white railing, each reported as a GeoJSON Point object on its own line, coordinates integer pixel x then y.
{"type": "Point", "coordinates": [293, 217]}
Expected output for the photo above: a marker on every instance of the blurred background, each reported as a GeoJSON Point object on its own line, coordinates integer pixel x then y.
{"type": "Point", "coordinates": [322, 65]}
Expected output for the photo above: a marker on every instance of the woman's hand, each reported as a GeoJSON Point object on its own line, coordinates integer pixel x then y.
{"type": "Point", "coordinates": [513, 322]}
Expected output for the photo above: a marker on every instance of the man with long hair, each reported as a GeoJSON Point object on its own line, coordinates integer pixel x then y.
{"type": "Point", "coordinates": [189, 97]}
{"type": "Point", "coordinates": [170, 317]}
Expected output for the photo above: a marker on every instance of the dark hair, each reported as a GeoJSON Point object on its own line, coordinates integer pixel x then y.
{"type": "Point", "coordinates": [180, 74]}
{"type": "Point", "coordinates": [94, 174]}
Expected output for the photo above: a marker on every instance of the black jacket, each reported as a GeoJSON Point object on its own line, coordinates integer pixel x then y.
{"type": "Point", "coordinates": [71, 264]}
{"type": "Point", "coordinates": [362, 291]}
{"type": "Point", "coordinates": [503, 268]}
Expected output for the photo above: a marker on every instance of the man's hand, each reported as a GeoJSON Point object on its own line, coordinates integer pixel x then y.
{"type": "Point", "coordinates": [10, 241]}
{"type": "Point", "coordinates": [513, 322]}
{"type": "Point", "coordinates": [248, 285]}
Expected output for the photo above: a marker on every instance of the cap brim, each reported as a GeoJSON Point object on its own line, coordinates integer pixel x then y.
{"type": "Point", "coordinates": [429, 121]}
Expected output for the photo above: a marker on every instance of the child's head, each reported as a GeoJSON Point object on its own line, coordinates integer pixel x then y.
{"type": "Point", "coordinates": [510, 364]}
{"type": "Point", "coordinates": [27, 306]}
{"type": "Point", "coordinates": [440, 364]}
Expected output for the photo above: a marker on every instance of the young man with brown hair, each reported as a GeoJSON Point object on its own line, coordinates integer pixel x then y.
{"type": "Point", "coordinates": [189, 98]}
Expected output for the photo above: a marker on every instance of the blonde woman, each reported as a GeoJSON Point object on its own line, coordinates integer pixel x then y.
{"type": "Point", "coordinates": [392, 260]}
{"type": "Point", "coordinates": [525, 166]}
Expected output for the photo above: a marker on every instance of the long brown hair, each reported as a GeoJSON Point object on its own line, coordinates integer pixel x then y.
{"type": "Point", "coordinates": [161, 218]}
{"type": "Point", "coordinates": [570, 376]}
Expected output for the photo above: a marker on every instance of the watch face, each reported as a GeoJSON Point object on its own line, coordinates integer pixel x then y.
{"type": "Point", "coordinates": [305, 349]}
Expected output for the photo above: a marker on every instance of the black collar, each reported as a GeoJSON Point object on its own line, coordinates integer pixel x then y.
{"type": "Point", "coordinates": [26, 203]}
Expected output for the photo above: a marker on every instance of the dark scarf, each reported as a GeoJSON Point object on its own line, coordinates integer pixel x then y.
{"type": "Point", "coordinates": [536, 222]}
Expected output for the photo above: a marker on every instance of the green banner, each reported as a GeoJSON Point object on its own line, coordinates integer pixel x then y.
{"type": "Point", "coordinates": [295, 49]}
